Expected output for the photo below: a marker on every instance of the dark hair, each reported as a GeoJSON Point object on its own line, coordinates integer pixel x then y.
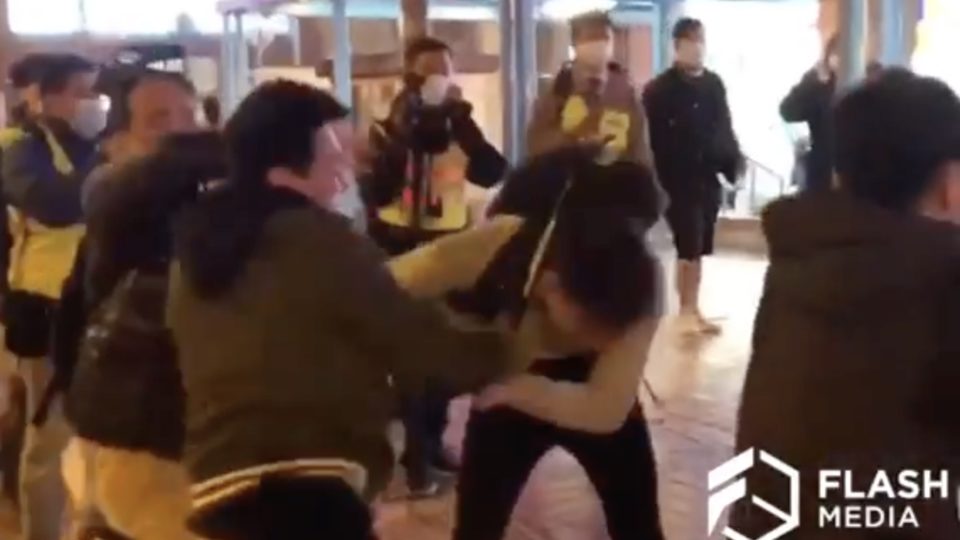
{"type": "Point", "coordinates": [58, 70]}
{"type": "Point", "coordinates": [28, 70]}
{"type": "Point", "coordinates": [211, 110]}
{"type": "Point", "coordinates": [686, 27]}
{"type": "Point", "coordinates": [892, 135]}
{"type": "Point", "coordinates": [121, 113]}
{"type": "Point", "coordinates": [622, 188]}
{"type": "Point", "coordinates": [589, 20]}
{"type": "Point", "coordinates": [602, 214]}
{"type": "Point", "coordinates": [131, 214]}
{"type": "Point", "coordinates": [274, 126]}
{"type": "Point", "coordinates": [424, 45]}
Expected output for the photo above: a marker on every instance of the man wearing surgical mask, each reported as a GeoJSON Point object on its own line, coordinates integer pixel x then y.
{"type": "Point", "coordinates": [694, 143]}
{"type": "Point", "coordinates": [591, 100]}
{"type": "Point", "coordinates": [811, 102]}
{"type": "Point", "coordinates": [426, 156]}
{"type": "Point", "coordinates": [43, 171]}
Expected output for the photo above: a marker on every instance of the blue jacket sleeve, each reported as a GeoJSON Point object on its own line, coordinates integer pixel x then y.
{"type": "Point", "coordinates": [32, 184]}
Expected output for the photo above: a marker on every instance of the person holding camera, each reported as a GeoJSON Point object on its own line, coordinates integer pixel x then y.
{"type": "Point", "coordinates": [423, 157]}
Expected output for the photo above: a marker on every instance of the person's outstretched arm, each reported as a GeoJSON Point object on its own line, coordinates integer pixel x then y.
{"type": "Point", "coordinates": [413, 338]}
{"type": "Point", "coordinates": [600, 405]}
{"type": "Point", "coordinates": [454, 262]}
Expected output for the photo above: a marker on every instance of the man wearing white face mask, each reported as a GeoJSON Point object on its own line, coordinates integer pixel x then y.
{"type": "Point", "coordinates": [592, 100]}
{"type": "Point", "coordinates": [43, 172]}
{"type": "Point", "coordinates": [693, 142]}
{"type": "Point", "coordinates": [426, 153]}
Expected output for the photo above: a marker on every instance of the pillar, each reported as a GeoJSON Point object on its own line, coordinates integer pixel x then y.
{"type": "Point", "coordinates": [518, 70]}
{"type": "Point", "coordinates": [508, 67]}
{"type": "Point", "coordinates": [670, 11]}
{"type": "Point", "coordinates": [342, 54]}
{"type": "Point", "coordinates": [413, 22]}
{"type": "Point", "coordinates": [296, 38]}
{"type": "Point", "coordinates": [852, 26]}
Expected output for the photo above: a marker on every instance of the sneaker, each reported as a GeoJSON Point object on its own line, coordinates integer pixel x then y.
{"type": "Point", "coordinates": [444, 466]}
{"type": "Point", "coordinates": [428, 490]}
{"type": "Point", "coordinates": [709, 327]}
{"type": "Point", "coordinates": [689, 324]}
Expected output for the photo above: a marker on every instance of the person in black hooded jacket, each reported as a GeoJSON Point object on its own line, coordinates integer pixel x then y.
{"type": "Point", "coordinates": [811, 102]}
{"type": "Point", "coordinates": [856, 345]}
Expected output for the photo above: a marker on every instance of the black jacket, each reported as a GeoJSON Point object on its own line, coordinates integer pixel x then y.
{"type": "Point", "coordinates": [856, 358]}
{"type": "Point", "coordinates": [691, 131]}
{"type": "Point", "coordinates": [129, 230]}
{"type": "Point", "coordinates": [811, 102]}
{"type": "Point", "coordinates": [391, 142]}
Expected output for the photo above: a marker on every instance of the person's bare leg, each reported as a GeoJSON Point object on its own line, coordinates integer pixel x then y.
{"type": "Point", "coordinates": [689, 321]}
{"type": "Point", "coordinates": [689, 278]}
{"type": "Point", "coordinates": [696, 280]}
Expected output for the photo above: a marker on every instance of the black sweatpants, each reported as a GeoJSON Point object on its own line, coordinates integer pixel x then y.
{"type": "Point", "coordinates": [503, 446]}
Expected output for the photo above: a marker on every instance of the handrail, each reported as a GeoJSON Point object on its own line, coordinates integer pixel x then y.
{"type": "Point", "coordinates": [765, 168]}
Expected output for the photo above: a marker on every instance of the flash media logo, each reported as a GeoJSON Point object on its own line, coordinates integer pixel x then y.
{"type": "Point", "coordinates": [724, 493]}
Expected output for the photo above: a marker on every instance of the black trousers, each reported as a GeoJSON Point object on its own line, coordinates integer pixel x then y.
{"type": "Point", "coordinates": [503, 446]}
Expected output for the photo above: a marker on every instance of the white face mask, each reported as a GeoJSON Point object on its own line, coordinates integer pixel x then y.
{"type": "Point", "coordinates": [435, 90]}
{"type": "Point", "coordinates": [89, 119]}
{"type": "Point", "coordinates": [595, 53]}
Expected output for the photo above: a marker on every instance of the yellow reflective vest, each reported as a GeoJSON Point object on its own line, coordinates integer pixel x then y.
{"type": "Point", "coordinates": [447, 177]}
{"type": "Point", "coordinates": [41, 257]}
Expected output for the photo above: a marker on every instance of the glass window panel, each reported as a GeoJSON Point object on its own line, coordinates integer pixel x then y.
{"type": "Point", "coordinates": [126, 17]}
{"type": "Point", "coordinates": [44, 17]}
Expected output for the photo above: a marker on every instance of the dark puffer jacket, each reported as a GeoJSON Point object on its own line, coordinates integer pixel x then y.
{"type": "Point", "coordinates": [856, 360]}
{"type": "Point", "coordinates": [113, 354]}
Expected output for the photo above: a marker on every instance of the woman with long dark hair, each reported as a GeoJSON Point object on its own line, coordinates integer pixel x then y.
{"type": "Point", "coordinates": [564, 266]}
{"type": "Point", "coordinates": [293, 337]}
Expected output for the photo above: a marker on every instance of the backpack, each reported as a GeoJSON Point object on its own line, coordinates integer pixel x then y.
{"type": "Point", "coordinates": [126, 390]}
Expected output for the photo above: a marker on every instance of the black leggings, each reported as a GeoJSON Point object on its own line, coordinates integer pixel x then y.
{"type": "Point", "coordinates": [503, 446]}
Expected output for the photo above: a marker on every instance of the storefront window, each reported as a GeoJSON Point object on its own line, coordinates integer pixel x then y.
{"type": "Point", "coordinates": [57, 16]}
{"type": "Point", "coordinates": [938, 41]}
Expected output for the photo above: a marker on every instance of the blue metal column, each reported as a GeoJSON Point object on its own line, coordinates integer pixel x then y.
{"type": "Point", "coordinates": [893, 48]}
{"type": "Point", "coordinates": [669, 11]}
{"type": "Point", "coordinates": [342, 55]}
{"type": "Point", "coordinates": [296, 36]}
{"type": "Point", "coordinates": [244, 76]}
{"type": "Point", "coordinates": [527, 73]}
{"type": "Point", "coordinates": [508, 72]}
{"type": "Point", "coordinates": [226, 67]}
{"type": "Point", "coordinates": [852, 34]}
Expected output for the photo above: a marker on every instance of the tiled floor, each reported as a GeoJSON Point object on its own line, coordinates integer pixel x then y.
{"type": "Point", "coordinates": [692, 421]}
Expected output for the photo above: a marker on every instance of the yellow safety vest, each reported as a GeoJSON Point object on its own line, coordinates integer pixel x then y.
{"type": "Point", "coordinates": [447, 177]}
{"type": "Point", "coordinates": [41, 257]}
{"type": "Point", "coordinates": [615, 119]}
